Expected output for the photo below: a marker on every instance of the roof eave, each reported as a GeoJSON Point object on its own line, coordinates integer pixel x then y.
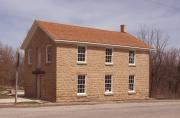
{"type": "Point", "coordinates": [29, 35]}
{"type": "Point", "coordinates": [100, 44]}
{"type": "Point", "coordinates": [32, 31]}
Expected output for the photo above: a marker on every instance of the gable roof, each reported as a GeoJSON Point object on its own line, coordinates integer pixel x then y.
{"type": "Point", "coordinates": [71, 33]}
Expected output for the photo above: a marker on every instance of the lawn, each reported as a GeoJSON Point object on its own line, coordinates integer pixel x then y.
{"type": "Point", "coordinates": [4, 91]}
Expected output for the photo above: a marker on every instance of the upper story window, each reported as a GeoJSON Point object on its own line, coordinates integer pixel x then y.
{"type": "Point", "coordinates": [131, 57]}
{"type": "Point", "coordinates": [131, 85]}
{"type": "Point", "coordinates": [30, 56]}
{"type": "Point", "coordinates": [39, 57]}
{"type": "Point", "coordinates": [81, 54]}
{"type": "Point", "coordinates": [108, 59]}
{"type": "Point", "coordinates": [108, 83]}
{"type": "Point", "coordinates": [81, 82]}
{"type": "Point", "coordinates": [49, 54]}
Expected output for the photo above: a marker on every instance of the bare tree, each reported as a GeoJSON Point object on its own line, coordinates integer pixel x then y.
{"type": "Point", "coordinates": [7, 65]}
{"type": "Point", "coordinates": [170, 76]}
{"type": "Point", "coordinates": [156, 39]}
{"type": "Point", "coordinates": [164, 64]}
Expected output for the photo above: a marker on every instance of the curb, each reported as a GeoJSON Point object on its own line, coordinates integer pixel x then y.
{"type": "Point", "coordinates": [29, 105]}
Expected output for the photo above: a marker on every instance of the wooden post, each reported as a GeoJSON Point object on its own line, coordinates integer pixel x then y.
{"type": "Point", "coordinates": [17, 68]}
{"type": "Point", "coordinates": [16, 88]}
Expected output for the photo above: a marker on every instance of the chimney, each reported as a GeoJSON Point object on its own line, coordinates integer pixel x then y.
{"type": "Point", "coordinates": [123, 28]}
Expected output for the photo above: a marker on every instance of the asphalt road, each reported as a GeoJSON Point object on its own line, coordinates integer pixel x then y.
{"type": "Point", "coordinates": [115, 110]}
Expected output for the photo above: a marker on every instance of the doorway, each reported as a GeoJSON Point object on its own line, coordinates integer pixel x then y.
{"type": "Point", "coordinates": [38, 86]}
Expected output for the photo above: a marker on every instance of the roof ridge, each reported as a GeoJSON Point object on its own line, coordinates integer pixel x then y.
{"type": "Point", "coordinates": [80, 26]}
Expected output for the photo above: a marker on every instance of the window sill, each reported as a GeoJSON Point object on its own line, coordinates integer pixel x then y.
{"type": "Point", "coordinates": [132, 65]}
{"type": "Point", "coordinates": [81, 94]}
{"type": "Point", "coordinates": [108, 93]}
{"type": "Point", "coordinates": [81, 63]}
{"type": "Point", "coordinates": [131, 92]}
{"type": "Point", "coordinates": [109, 64]}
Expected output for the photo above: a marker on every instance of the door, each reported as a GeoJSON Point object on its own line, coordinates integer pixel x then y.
{"type": "Point", "coordinates": [38, 86]}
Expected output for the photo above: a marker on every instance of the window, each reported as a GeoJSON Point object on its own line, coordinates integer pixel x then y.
{"type": "Point", "coordinates": [131, 83]}
{"type": "Point", "coordinates": [39, 57]}
{"type": "Point", "coordinates": [81, 54]}
{"type": "Point", "coordinates": [108, 84]}
{"type": "Point", "coordinates": [81, 84]}
{"type": "Point", "coordinates": [132, 57]}
{"type": "Point", "coordinates": [30, 58]}
{"type": "Point", "coordinates": [49, 54]}
{"type": "Point", "coordinates": [108, 55]}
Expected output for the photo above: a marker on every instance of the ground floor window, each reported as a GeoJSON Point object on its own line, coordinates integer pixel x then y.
{"type": "Point", "coordinates": [81, 84]}
{"type": "Point", "coordinates": [131, 83]}
{"type": "Point", "coordinates": [108, 83]}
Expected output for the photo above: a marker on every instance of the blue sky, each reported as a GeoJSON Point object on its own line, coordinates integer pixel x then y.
{"type": "Point", "coordinates": [17, 16]}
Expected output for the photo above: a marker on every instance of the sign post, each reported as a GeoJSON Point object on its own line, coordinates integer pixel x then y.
{"type": "Point", "coordinates": [17, 68]}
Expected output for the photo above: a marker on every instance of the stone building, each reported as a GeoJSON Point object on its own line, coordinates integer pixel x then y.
{"type": "Point", "coordinates": [67, 63]}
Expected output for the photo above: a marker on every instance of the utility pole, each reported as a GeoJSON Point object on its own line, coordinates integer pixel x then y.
{"type": "Point", "coordinates": [17, 68]}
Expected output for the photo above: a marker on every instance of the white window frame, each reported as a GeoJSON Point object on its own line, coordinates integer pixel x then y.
{"type": "Point", "coordinates": [132, 64]}
{"type": "Point", "coordinates": [82, 62]}
{"type": "Point", "coordinates": [48, 61]}
{"type": "Point", "coordinates": [108, 92]}
{"type": "Point", "coordinates": [30, 56]}
{"type": "Point", "coordinates": [81, 94]}
{"type": "Point", "coordinates": [134, 84]}
{"type": "Point", "coordinates": [109, 63]}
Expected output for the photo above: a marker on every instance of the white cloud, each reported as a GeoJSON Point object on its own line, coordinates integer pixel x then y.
{"type": "Point", "coordinates": [17, 15]}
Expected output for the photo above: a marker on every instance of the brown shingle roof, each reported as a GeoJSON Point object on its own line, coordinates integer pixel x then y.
{"type": "Point", "coordinates": [92, 35]}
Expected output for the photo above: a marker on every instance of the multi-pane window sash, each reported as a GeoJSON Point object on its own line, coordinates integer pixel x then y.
{"type": "Point", "coordinates": [81, 84]}
{"type": "Point", "coordinates": [30, 58]}
{"type": "Point", "coordinates": [108, 55]}
{"type": "Point", "coordinates": [108, 83]}
{"type": "Point", "coordinates": [131, 57]}
{"type": "Point", "coordinates": [81, 54]}
{"type": "Point", "coordinates": [48, 54]}
{"type": "Point", "coordinates": [131, 83]}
